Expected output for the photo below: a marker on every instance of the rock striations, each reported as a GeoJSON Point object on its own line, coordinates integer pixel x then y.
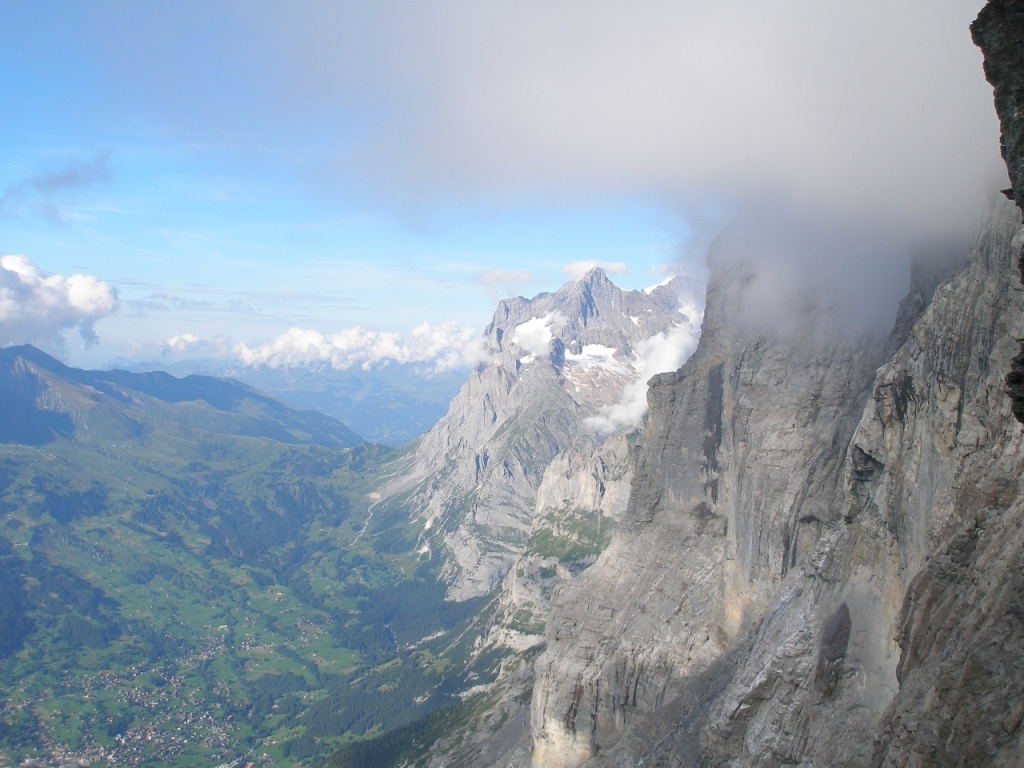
{"type": "Point", "coordinates": [735, 485]}
{"type": "Point", "coordinates": [999, 32]}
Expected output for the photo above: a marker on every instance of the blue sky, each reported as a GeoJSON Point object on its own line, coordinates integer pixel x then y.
{"type": "Point", "coordinates": [227, 171]}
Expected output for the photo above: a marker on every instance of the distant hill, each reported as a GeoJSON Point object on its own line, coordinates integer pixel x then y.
{"type": "Point", "coordinates": [41, 398]}
{"type": "Point", "coordinates": [389, 404]}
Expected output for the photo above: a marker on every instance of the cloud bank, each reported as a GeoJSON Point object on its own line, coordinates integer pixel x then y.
{"type": "Point", "coordinates": [873, 107]}
{"type": "Point", "coordinates": [37, 308]}
{"type": "Point", "coordinates": [444, 347]}
{"type": "Point", "coordinates": [791, 119]}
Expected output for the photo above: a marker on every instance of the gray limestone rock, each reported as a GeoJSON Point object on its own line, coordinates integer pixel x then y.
{"type": "Point", "coordinates": [821, 562]}
{"type": "Point", "coordinates": [999, 32]}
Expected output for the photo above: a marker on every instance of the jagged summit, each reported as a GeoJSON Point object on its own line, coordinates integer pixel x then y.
{"type": "Point", "coordinates": [591, 310]}
{"type": "Point", "coordinates": [554, 361]}
{"type": "Point", "coordinates": [595, 275]}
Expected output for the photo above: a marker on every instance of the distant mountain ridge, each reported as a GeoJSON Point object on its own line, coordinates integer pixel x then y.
{"type": "Point", "coordinates": [41, 398]}
{"type": "Point", "coordinates": [389, 403]}
{"type": "Point", "coordinates": [189, 570]}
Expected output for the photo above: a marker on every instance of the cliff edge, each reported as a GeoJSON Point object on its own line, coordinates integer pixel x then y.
{"type": "Point", "coordinates": [999, 33]}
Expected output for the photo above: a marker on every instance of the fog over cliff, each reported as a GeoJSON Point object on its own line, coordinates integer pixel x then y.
{"type": "Point", "coordinates": [833, 140]}
{"type": "Point", "coordinates": [839, 134]}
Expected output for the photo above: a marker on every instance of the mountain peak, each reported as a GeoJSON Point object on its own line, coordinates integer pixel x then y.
{"type": "Point", "coordinates": [594, 276]}
{"type": "Point", "coordinates": [33, 355]}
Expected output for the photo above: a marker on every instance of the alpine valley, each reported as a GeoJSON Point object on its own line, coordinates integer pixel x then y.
{"type": "Point", "coordinates": [808, 552]}
{"type": "Point", "coordinates": [196, 571]}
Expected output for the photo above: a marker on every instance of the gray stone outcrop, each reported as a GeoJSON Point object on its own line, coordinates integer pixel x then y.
{"type": "Point", "coordinates": [821, 562]}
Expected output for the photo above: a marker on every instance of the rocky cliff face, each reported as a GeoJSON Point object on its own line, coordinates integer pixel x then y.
{"type": "Point", "coordinates": [820, 562]}
{"type": "Point", "coordinates": [999, 32]}
{"type": "Point", "coordinates": [820, 559]}
{"type": "Point", "coordinates": [556, 360]}
{"type": "Point", "coordinates": [735, 481]}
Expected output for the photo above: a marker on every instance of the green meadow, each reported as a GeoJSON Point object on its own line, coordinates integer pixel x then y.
{"type": "Point", "coordinates": [184, 584]}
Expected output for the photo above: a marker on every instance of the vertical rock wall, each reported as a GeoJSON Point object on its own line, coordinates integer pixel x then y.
{"type": "Point", "coordinates": [808, 576]}
{"type": "Point", "coordinates": [822, 559]}
{"type": "Point", "coordinates": [821, 563]}
{"type": "Point", "coordinates": [999, 32]}
{"type": "Point", "coordinates": [736, 482]}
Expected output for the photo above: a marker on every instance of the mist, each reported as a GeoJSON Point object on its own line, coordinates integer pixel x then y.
{"type": "Point", "coordinates": [826, 276]}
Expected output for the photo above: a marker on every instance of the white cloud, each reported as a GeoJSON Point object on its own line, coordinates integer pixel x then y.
{"type": "Point", "coordinates": [493, 277]}
{"type": "Point", "coordinates": [474, 353]}
{"type": "Point", "coordinates": [181, 343]}
{"type": "Point", "coordinates": [661, 353]}
{"type": "Point", "coordinates": [535, 335]}
{"type": "Point", "coordinates": [874, 109]}
{"type": "Point", "coordinates": [37, 308]}
{"type": "Point", "coordinates": [873, 113]}
{"type": "Point", "coordinates": [578, 269]}
{"type": "Point", "coordinates": [446, 347]}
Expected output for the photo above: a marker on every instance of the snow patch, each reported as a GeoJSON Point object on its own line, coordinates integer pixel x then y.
{"type": "Point", "coordinates": [596, 355]}
{"type": "Point", "coordinates": [664, 282]}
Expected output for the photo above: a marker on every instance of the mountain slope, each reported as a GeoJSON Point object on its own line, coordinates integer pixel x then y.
{"type": "Point", "coordinates": [388, 404]}
{"type": "Point", "coordinates": [556, 360]}
{"type": "Point", "coordinates": [191, 573]}
{"type": "Point", "coordinates": [40, 399]}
